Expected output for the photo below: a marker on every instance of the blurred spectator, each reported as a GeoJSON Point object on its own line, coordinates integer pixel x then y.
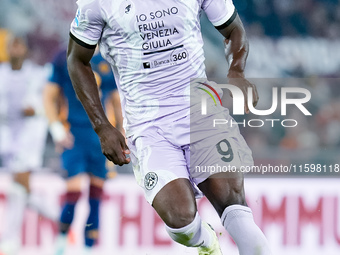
{"type": "Point", "coordinates": [314, 18]}
{"type": "Point", "coordinates": [46, 21]}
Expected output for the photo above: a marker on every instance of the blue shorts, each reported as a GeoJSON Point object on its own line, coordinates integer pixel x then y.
{"type": "Point", "coordinates": [86, 155]}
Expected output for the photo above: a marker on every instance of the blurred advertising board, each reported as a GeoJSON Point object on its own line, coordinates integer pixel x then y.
{"type": "Point", "coordinates": [298, 216]}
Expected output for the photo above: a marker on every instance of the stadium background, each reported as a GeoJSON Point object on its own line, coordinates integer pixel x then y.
{"type": "Point", "coordinates": [292, 43]}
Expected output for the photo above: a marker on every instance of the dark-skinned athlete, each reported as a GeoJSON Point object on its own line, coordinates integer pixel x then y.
{"type": "Point", "coordinates": [156, 52]}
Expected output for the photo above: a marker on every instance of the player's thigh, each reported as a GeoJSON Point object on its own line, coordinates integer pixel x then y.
{"type": "Point", "coordinates": [161, 170]}
{"type": "Point", "coordinates": [224, 189]}
{"type": "Point", "coordinates": [156, 162]}
{"type": "Point", "coordinates": [75, 183]}
{"type": "Point", "coordinates": [216, 165]}
{"type": "Point", "coordinates": [219, 176]}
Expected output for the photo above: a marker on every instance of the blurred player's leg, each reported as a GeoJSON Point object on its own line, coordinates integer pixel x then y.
{"type": "Point", "coordinates": [23, 178]}
{"type": "Point", "coordinates": [92, 224]}
{"type": "Point", "coordinates": [34, 200]}
{"type": "Point", "coordinates": [17, 200]}
{"type": "Point", "coordinates": [73, 193]}
{"type": "Point", "coordinates": [19, 196]}
{"type": "Point", "coordinates": [183, 223]}
{"type": "Point", "coordinates": [16, 205]}
{"type": "Point", "coordinates": [227, 196]}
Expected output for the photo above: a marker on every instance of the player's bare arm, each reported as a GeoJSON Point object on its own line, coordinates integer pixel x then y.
{"type": "Point", "coordinates": [237, 49]}
{"type": "Point", "coordinates": [61, 138]}
{"type": "Point", "coordinates": [84, 83]}
{"type": "Point", "coordinates": [51, 94]}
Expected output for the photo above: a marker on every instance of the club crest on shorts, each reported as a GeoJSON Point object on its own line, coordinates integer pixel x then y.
{"type": "Point", "coordinates": [150, 180]}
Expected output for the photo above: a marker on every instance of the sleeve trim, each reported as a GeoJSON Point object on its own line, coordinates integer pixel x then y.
{"type": "Point", "coordinates": [227, 22]}
{"type": "Point", "coordinates": [81, 43]}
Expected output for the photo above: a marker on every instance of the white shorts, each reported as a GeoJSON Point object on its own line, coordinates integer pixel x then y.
{"type": "Point", "coordinates": [195, 151]}
{"type": "Point", "coordinates": [24, 150]}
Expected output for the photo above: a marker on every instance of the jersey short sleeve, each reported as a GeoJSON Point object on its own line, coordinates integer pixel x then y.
{"type": "Point", "coordinates": [219, 12]}
{"type": "Point", "coordinates": [87, 26]}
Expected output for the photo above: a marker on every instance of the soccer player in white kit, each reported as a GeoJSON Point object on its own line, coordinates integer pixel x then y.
{"type": "Point", "coordinates": [156, 49]}
{"type": "Point", "coordinates": [23, 131]}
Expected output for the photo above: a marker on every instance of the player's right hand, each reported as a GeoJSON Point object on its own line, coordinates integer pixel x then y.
{"type": "Point", "coordinates": [28, 111]}
{"type": "Point", "coordinates": [62, 138]}
{"type": "Point", "coordinates": [66, 143]}
{"type": "Point", "coordinates": [113, 144]}
{"type": "Point", "coordinates": [237, 79]}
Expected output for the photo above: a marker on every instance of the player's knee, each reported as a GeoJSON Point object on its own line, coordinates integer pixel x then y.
{"type": "Point", "coordinates": [74, 183]}
{"type": "Point", "coordinates": [180, 217]}
{"type": "Point", "coordinates": [23, 180]}
{"type": "Point", "coordinates": [234, 195]}
{"type": "Point", "coordinates": [236, 190]}
{"type": "Point", "coordinates": [97, 181]}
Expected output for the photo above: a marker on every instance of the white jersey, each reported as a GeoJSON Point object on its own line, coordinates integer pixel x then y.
{"type": "Point", "coordinates": [154, 46]}
{"type": "Point", "coordinates": [22, 138]}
